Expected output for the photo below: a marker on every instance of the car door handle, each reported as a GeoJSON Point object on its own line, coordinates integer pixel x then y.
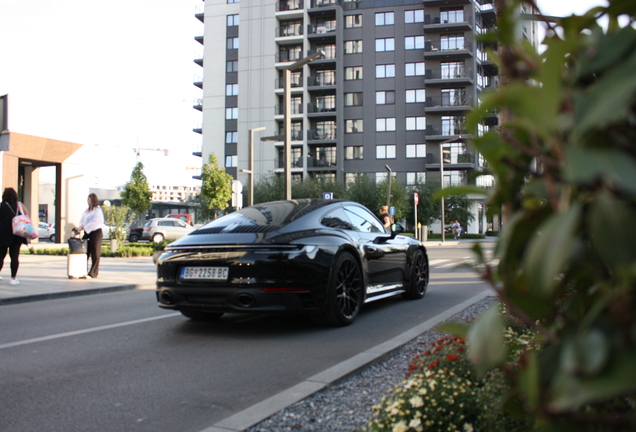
{"type": "Point", "coordinates": [371, 249]}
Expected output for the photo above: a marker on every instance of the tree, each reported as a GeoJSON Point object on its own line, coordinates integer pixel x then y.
{"type": "Point", "coordinates": [269, 188]}
{"type": "Point", "coordinates": [564, 162]}
{"type": "Point", "coordinates": [216, 188]}
{"type": "Point", "coordinates": [398, 198]}
{"type": "Point", "coordinates": [363, 190]}
{"type": "Point", "coordinates": [118, 218]}
{"type": "Point", "coordinates": [457, 208]}
{"type": "Point", "coordinates": [428, 209]}
{"type": "Point", "coordinates": [136, 193]}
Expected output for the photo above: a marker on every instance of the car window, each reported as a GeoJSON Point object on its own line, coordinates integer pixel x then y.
{"type": "Point", "coordinates": [337, 219]}
{"type": "Point", "coordinates": [164, 223]}
{"type": "Point", "coordinates": [147, 224]}
{"type": "Point", "coordinates": [181, 224]}
{"type": "Point", "coordinates": [363, 221]}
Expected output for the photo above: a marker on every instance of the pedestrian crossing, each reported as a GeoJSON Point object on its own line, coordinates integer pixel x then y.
{"type": "Point", "coordinates": [452, 263]}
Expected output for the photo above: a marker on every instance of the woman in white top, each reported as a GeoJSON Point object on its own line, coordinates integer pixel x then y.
{"type": "Point", "coordinates": [91, 223]}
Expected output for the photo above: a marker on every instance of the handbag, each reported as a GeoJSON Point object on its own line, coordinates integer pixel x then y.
{"type": "Point", "coordinates": [22, 225]}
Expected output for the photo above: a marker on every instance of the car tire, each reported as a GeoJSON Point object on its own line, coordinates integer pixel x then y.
{"type": "Point", "coordinates": [133, 238]}
{"type": "Point", "coordinates": [52, 238]}
{"type": "Point", "coordinates": [418, 282]}
{"type": "Point", "coordinates": [201, 316]}
{"type": "Point", "coordinates": [345, 292]}
{"type": "Point", "coordinates": [157, 238]}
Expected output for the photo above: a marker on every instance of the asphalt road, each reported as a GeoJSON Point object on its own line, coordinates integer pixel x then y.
{"type": "Point", "coordinates": [116, 362]}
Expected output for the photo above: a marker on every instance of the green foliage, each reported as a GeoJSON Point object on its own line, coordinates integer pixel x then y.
{"type": "Point", "coordinates": [119, 219]}
{"type": "Point", "coordinates": [216, 190]}
{"type": "Point", "coordinates": [125, 251]}
{"type": "Point", "coordinates": [136, 194]}
{"type": "Point", "coordinates": [565, 169]}
{"type": "Point", "coordinates": [429, 210]}
{"type": "Point", "coordinates": [363, 190]}
{"type": "Point", "coordinates": [314, 188]}
{"type": "Point", "coordinates": [457, 207]}
{"type": "Point", "coordinates": [269, 188]}
{"type": "Point", "coordinates": [399, 199]}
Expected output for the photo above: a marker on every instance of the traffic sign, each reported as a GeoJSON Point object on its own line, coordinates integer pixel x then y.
{"type": "Point", "coordinates": [327, 195]}
{"type": "Point", "coordinates": [416, 198]}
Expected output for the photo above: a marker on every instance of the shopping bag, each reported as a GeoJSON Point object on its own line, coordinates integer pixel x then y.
{"type": "Point", "coordinates": [23, 227]}
{"type": "Point", "coordinates": [76, 246]}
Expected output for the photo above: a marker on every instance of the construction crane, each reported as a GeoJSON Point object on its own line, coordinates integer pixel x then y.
{"type": "Point", "coordinates": [138, 151]}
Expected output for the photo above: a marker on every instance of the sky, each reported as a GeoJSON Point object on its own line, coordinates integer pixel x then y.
{"type": "Point", "coordinates": [117, 76]}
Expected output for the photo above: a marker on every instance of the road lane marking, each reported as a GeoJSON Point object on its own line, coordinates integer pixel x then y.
{"type": "Point", "coordinates": [437, 261]}
{"type": "Point", "coordinates": [85, 331]}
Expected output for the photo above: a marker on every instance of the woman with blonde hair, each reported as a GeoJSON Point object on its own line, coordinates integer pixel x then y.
{"type": "Point", "coordinates": [385, 217]}
{"type": "Point", "coordinates": [91, 223]}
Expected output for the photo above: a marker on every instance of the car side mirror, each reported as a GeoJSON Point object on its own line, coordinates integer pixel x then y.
{"type": "Point", "coordinates": [396, 229]}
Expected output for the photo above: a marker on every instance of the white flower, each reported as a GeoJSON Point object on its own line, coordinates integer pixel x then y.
{"type": "Point", "coordinates": [468, 427]}
{"type": "Point", "coordinates": [416, 402]}
{"type": "Point", "coordinates": [415, 423]}
{"type": "Point", "coordinates": [400, 426]}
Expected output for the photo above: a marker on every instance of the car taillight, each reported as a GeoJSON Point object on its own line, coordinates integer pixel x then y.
{"type": "Point", "coordinates": [147, 228]}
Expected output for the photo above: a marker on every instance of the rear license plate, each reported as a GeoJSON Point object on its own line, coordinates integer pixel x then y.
{"type": "Point", "coordinates": [206, 273]}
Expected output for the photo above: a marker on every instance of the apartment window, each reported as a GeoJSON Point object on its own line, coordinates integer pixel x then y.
{"type": "Point", "coordinates": [413, 42]}
{"type": "Point", "coordinates": [231, 113]}
{"type": "Point", "coordinates": [325, 157]}
{"type": "Point", "coordinates": [452, 15]}
{"type": "Point", "coordinates": [416, 150]}
{"type": "Point", "coordinates": [231, 90]}
{"type": "Point", "coordinates": [291, 28]}
{"type": "Point", "coordinates": [413, 16]}
{"type": "Point", "coordinates": [452, 70]}
{"type": "Point", "coordinates": [385, 124]}
{"type": "Point", "coordinates": [329, 49]}
{"type": "Point", "coordinates": [353, 73]}
{"type": "Point", "coordinates": [231, 137]}
{"type": "Point", "coordinates": [415, 96]}
{"type": "Point", "coordinates": [452, 125]}
{"type": "Point", "coordinates": [325, 103]}
{"type": "Point", "coordinates": [232, 1]}
{"type": "Point", "coordinates": [353, 126]}
{"type": "Point", "coordinates": [455, 178]}
{"type": "Point", "coordinates": [414, 69]}
{"type": "Point", "coordinates": [353, 47]}
{"type": "Point", "coordinates": [454, 97]}
{"type": "Point", "coordinates": [354, 152]}
{"type": "Point", "coordinates": [353, 99]}
{"type": "Point", "coordinates": [413, 178]}
{"type": "Point", "coordinates": [232, 43]}
{"type": "Point", "coordinates": [415, 123]}
{"type": "Point", "coordinates": [385, 71]}
{"type": "Point", "coordinates": [232, 66]}
{"type": "Point", "coordinates": [385, 152]}
{"type": "Point", "coordinates": [326, 130]}
{"type": "Point", "coordinates": [326, 77]}
{"type": "Point", "coordinates": [384, 18]}
{"type": "Point", "coordinates": [325, 25]}
{"type": "Point", "coordinates": [451, 42]}
{"type": "Point", "coordinates": [232, 20]}
{"type": "Point", "coordinates": [385, 97]}
{"type": "Point", "coordinates": [386, 44]}
{"type": "Point", "coordinates": [352, 21]}
{"type": "Point", "coordinates": [230, 161]}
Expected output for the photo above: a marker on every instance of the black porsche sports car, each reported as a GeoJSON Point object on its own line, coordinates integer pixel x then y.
{"type": "Point", "coordinates": [322, 257]}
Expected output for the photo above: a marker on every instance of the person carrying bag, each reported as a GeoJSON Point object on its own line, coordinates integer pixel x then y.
{"type": "Point", "coordinates": [9, 209]}
{"type": "Point", "coordinates": [91, 223]}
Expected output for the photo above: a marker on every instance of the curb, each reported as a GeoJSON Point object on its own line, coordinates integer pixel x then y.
{"type": "Point", "coordinates": [255, 414]}
{"type": "Point", "coordinates": [67, 294]}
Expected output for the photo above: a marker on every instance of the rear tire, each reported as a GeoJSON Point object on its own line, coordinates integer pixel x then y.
{"type": "Point", "coordinates": [52, 238]}
{"type": "Point", "coordinates": [345, 292]}
{"type": "Point", "coordinates": [134, 238]}
{"type": "Point", "coordinates": [418, 282]}
{"type": "Point", "coordinates": [157, 238]}
{"type": "Point", "coordinates": [201, 316]}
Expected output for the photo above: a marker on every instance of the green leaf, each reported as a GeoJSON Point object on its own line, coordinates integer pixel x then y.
{"type": "Point", "coordinates": [612, 231]}
{"type": "Point", "coordinates": [573, 391]}
{"type": "Point", "coordinates": [551, 249]}
{"type": "Point", "coordinates": [529, 378]}
{"type": "Point", "coordinates": [485, 340]}
{"type": "Point", "coordinates": [614, 167]}
{"type": "Point", "coordinates": [585, 354]}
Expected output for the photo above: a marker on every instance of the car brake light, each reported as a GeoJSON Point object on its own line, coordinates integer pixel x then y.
{"type": "Point", "coordinates": [147, 228]}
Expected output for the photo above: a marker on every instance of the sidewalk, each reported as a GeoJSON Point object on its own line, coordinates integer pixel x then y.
{"type": "Point", "coordinates": [44, 277]}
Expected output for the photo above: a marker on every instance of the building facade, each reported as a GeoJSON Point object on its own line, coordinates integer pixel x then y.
{"type": "Point", "coordinates": [393, 88]}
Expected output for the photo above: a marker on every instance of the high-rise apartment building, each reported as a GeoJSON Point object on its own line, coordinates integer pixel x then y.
{"type": "Point", "coordinates": [396, 82]}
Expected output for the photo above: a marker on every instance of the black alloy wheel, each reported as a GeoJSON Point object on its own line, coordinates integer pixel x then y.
{"type": "Point", "coordinates": [419, 277]}
{"type": "Point", "coordinates": [345, 292]}
{"type": "Point", "coordinates": [134, 238]}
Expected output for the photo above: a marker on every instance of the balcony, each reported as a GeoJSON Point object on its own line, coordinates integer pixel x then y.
{"type": "Point", "coordinates": [442, 23]}
{"type": "Point", "coordinates": [352, 5]}
{"type": "Point", "coordinates": [452, 75]}
{"type": "Point", "coordinates": [321, 81]}
{"type": "Point", "coordinates": [437, 131]}
{"type": "Point", "coordinates": [288, 56]}
{"type": "Point", "coordinates": [321, 135]}
{"type": "Point", "coordinates": [296, 135]}
{"type": "Point", "coordinates": [296, 162]}
{"type": "Point", "coordinates": [449, 103]}
{"type": "Point", "coordinates": [290, 5]}
{"type": "Point", "coordinates": [449, 47]}
{"type": "Point", "coordinates": [322, 109]}
{"type": "Point", "coordinates": [198, 104]}
{"type": "Point", "coordinates": [291, 34]}
{"type": "Point", "coordinates": [199, 13]}
{"type": "Point", "coordinates": [295, 108]}
{"type": "Point", "coordinates": [323, 4]}
{"type": "Point", "coordinates": [330, 54]}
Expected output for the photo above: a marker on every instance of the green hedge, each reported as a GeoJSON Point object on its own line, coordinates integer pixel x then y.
{"type": "Point", "coordinates": [126, 251]}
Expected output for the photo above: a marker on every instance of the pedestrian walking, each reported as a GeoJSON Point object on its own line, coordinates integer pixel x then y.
{"type": "Point", "coordinates": [457, 230]}
{"type": "Point", "coordinates": [91, 223]}
{"type": "Point", "coordinates": [9, 208]}
{"type": "Point", "coordinates": [387, 219]}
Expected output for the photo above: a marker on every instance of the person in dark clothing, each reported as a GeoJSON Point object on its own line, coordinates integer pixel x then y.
{"type": "Point", "coordinates": [91, 223]}
{"type": "Point", "coordinates": [8, 209]}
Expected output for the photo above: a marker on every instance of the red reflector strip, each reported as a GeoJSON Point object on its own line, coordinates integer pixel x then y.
{"type": "Point", "coordinates": [286, 290]}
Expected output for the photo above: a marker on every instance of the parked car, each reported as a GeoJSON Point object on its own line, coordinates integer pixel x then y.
{"type": "Point", "coordinates": [46, 231]}
{"type": "Point", "coordinates": [321, 257]}
{"type": "Point", "coordinates": [187, 218]}
{"type": "Point", "coordinates": [135, 230]}
{"type": "Point", "coordinates": [160, 229]}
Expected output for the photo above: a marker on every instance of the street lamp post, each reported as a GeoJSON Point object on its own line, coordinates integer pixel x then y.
{"type": "Point", "coordinates": [250, 171]}
{"type": "Point", "coordinates": [388, 186]}
{"type": "Point", "coordinates": [287, 115]}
